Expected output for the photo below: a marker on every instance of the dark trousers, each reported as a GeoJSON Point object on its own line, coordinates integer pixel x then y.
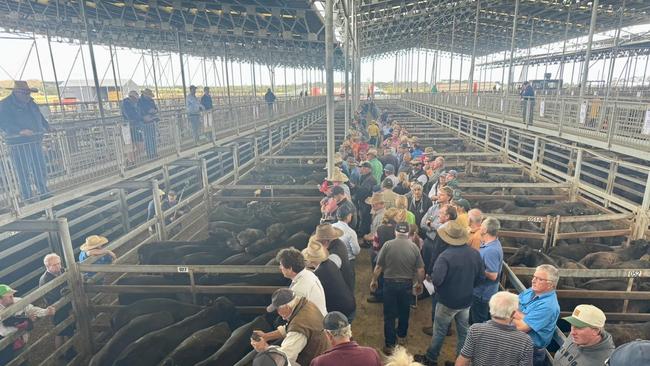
{"type": "Point", "coordinates": [195, 122]}
{"type": "Point", "coordinates": [539, 356]}
{"type": "Point", "coordinates": [150, 143]}
{"type": "Point", "coordinates": [528, 106]}
{"type": "Point", "coordinates": [397, 295]}
{"type": "Point", "coordinates": [479, 312]}
{"type": "Point", "coordinates": [427, 253]}
{"type": "Point", "coordinates": [379, 293]}
{"type": "Point", "coordinates": [366, 219]}
{"type": "Point", "coordinates": [29, 163]}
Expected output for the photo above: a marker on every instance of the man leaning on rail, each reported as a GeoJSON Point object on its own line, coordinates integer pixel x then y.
{"type": "Point", "coordinates": [22, 125]}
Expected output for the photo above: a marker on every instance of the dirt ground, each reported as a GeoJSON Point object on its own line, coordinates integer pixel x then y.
{"type": "Point", "coordinates": [368, 327]}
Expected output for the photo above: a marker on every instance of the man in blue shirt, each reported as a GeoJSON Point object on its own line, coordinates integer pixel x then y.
{"type": "Point", "coordinates": [528, 102]}
{"type": "Point", "coordinates": [492, 256]}
{"type": "Point", "coordinates": [539, 310]}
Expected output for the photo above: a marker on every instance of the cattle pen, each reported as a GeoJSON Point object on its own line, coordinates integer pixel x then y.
{"type": "Point", "coordinates": [542, 111]}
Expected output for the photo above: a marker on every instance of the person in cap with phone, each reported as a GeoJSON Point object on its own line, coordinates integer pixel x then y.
{"type": "Point", "coordinates": [588, 343]}
{"type": "Point", "coordinates": [302, 337]}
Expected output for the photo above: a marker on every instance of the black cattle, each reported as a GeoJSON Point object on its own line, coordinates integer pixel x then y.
{"type": "Point", "coordinates": [129, 298]}
{"type": "Point", "coordinates": [155, 346]}
{"type": "Point", "coordinates": [145, 251]}
{"type": "Point", "coordinates": [238, 345]}
{"type": "Point", "coordinates": [138, 327]}
{"type": "Point", "coordinates": [241, 258]}
{"type": "Point", "coordinates": [623, 333]}
{"type": "Point", "coordinates": [178, 310]}
{"type": "Point", "coordinates": [264, 258]}
{"type": "Point", "coordinates": [578, 251]}
{"type": "Point", "coordinates": [198, 346]}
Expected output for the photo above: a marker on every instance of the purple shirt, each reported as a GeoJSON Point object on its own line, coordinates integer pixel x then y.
{"type": "Point", "coordinates": [348, 354]}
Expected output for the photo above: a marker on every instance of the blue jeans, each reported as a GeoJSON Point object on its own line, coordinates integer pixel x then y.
{"type": "Point", "coordinates": [479, 312]}
{"type": "Point", "coordinates": [29, 163]}
{"type": "Point", "coordinates": [443, 318]}
{"type": "Point", "coordinates": [150, 135]}
{"type": "Point", "coordinates": [397, 295]}
{"type": "Point", "coordinates": [379, 293]}
{"type": "Point", "coordinates": [539, 356]}
{"type": "Point", "coordinates": [195, 121]}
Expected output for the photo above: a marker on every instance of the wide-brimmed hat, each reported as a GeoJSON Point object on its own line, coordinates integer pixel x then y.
{"type": "Point", "coordinates": [428, 150]}
{"type": "Point", "coordinates": [22, 85]}
{"type": "Point", "coordinates": [586, 316]}
{"type": "Point", "coordinates": [92, 242]}
{"type": "Point", "coordinates": [315, 252]}
{"type": "Point", "coordinates": [327, 232]}
{"type": "Point", "coordinates": [376, 198]}
{"type": "Point", "coordinates": [338, 176]}
{"type": "Point", "coordinates": [372, 152]}
{"type": "Point", "coordinates": [147, 92]}
{"type": "Point", "coordinates": [453, 233]}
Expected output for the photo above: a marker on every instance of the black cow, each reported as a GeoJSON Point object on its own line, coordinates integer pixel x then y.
{"type": "Point", "coordinates": [178, 310]}
{"type": "Point", "coordinates": [198, 346]}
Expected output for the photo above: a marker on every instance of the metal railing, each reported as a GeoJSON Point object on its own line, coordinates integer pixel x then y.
{"type": "Point", "coordinates": [81, 152]}
{"type": "Point", "coordinates": [610, 121]}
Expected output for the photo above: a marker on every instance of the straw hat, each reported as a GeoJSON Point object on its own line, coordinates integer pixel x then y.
{"type": "Point", "coordinates": [372, 152]}
{"type": "Point", "coordinates": [93, 242]}
{"type": "Point", "coordinates": [338, 176]}
{"type": "Point", "coordinates": [327, 232]}
{"type": "Point", "coordinates": [22, 85]}
{"type": "Point", "coordinates": [148, 92]}
{"type": "Point", "coordinates": [315, 252]}
{"type": "Point", "coordinates": [376, 198]}
{"type": "Point", "coordinates": [453, 233]}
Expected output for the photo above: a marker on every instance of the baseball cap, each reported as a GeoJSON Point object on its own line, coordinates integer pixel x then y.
{"type": "Point", "coordinates": [337, 190]}
{"type": "Point", "coordinates": [586, 316]}
{"type": "Point", "coordinates": [335, 320]}
{"type": "Point", "coordinates": [453, 172]}
{"type": "Point", "coordinates": [389, 168]}
{"type": "Point", "coordinates": [343, 212]}
{"type": "Point", "coordinates": [387, 183]}
{"type": "Point", "coordinates": [281, 296]}
{"type": "Point", "coordinates": [402, 227]}
{"type": "Point", "coordinates": [632, 353]}
{"type": "Point", "coordinates": [365, 164]}
{"type": "Point", "coordinates": [5, 289]}
{"type": "Point", "coordinates": [404, 145]}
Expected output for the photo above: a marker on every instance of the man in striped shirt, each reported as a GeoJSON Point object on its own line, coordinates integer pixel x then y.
{"type": "Point", "coordinates": [497, 342]}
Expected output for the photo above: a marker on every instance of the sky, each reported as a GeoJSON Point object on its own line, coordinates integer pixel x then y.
{"type": "Point", "coordinates": [73, 63]}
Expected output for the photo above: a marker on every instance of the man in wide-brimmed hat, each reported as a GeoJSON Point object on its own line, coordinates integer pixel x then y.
{"type": "Point", "coordinates": [21, 319]}
{"type": "Point", "coordinates": [23, 125]}
{"type": "Point", "coordinates": [94, 247]}
{"type": "Point", "coordinates": [338, 296]}
{"type": "Point", "coordinates": [378, 204]}
{"type": "Point", "coordinates": [457, 270]}
{"type": "Point", "coordinates": [328, 236]}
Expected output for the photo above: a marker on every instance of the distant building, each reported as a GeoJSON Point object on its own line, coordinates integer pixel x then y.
{"type": "Point", "coordinates": [78, 91]}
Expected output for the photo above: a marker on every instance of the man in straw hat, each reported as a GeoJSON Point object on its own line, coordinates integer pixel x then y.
{"type": "Point", "coordinates": [94, 247]}
{"type": "Point", "coordinates": [378, 205]}
{"type": "Point", "coordinates": [23, 126]}
{"type": "Point", "coordinates": [302, 337]}
{"type": "Point", "coordinates": [400, 262]}
{"type": "Point", "coordinates": [588, 343]}
{"type": "Point", "coordinates": [20, 320]}
{"type": "Point", "coordinates": [329, 235]}
{"type": "Point", "coordinates": [303, 282]}
{"type": "Point", "coordinates": [455, 274]}
{"type": "Point", "coordinates": [338, 295]}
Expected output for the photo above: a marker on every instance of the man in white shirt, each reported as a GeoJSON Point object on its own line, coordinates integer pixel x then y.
{"type": "Point", "coordinates": [349, 237]}
{"type": "Point", "coordinates": [303, 282]}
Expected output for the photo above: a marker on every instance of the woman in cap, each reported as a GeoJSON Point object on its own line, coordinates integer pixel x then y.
{"type": "Point", "coordinates": [94, 248]}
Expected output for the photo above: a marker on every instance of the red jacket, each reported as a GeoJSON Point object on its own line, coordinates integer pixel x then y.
{"type": "Point", "coordinates": [348, 354]}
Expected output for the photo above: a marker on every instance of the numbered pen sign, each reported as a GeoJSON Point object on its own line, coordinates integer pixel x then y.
{"type": "Point", "coordinates": [541, 108]}
{"type": "Point", "coordinates": [646, 123]}
{"type": "Point", "coordinates": [182, 269]}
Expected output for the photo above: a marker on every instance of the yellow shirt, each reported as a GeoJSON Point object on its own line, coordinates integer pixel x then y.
{"type": "Point", "coordinates": [373, 130]}
{"type": "Point", "coordinates": [463, 219]}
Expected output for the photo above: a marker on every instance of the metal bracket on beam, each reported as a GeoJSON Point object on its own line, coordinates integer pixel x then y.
{"type": "Point", "coordinates": [35, 226]}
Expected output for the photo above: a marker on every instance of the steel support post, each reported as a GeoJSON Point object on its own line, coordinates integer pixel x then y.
{"type": "Point", "coordinates": [575, 184]}
{"type": "Point", "coordinates": [155, 75]}
{"type": "Point", "coordinates": [346, 58]}
{"type": "Point", "coordinates": [513, 40]}
{"type": "Point", "coordinates": [590, 39]}
{"type": "Point", "coordinates": [93, 64]}
{"type": "Point", "coordinates": [472, 64]}
{"type": "Point", "coordinates": [180, 58]}
{"type": "Point", "coordinates": [395, 73]}
{"type": "Point", "coordinates": [417, 72]}
{"type": "Point", "coordinates": [610, 74]}
{"type": "Point", "coordinates": [451, 52]}
{"type": "Point", "coordinates": [642, 219]}
{"type": "Point", "coordinates": [530, 46]}
{"type": "Point", "coordinates": [79, 298]}
{"type": "Point", "coordinates": [329, 78]}
{"type": "Point", "coordinates": [56, 79]}
{"type": "Point", "coordinates": [161, 230]}
{"type": "Point", "coordinates": [566, 36]}
{"type": "Point", "coordinates": [235, 159]}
